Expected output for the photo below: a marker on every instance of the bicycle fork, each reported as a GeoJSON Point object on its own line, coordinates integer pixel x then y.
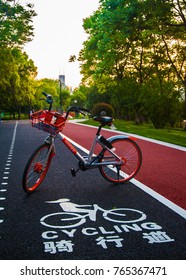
{"type": "Point", "coordinates": [50, 140]}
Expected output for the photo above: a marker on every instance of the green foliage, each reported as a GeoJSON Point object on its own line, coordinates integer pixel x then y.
{"type": "Point", "coordinates": [16, 23]}
{"type": "Point", "coordinates": [133, 59]}
{"type": "Point", "coordinates": [78, 97]}
{"type": "Point", "coordinates": [133, 47]}
{"type": "Point", "coordinates": [51, 87]}
{"type": "Point", "coordinates": [161, 103]}
{"type": "Point", "coordinates": [17, 71]}
{"type": "Point", "coordinates": [103, 109]}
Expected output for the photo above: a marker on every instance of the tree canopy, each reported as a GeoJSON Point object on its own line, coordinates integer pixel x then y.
{"type": "Point", "coordinates": [136, 51]}
{"type": "Point", "coordinates": [17, 71]}
{"type": "Point", "coordinates": [133, 58]}
{"type": "Point", "coordinates": [16, 26]}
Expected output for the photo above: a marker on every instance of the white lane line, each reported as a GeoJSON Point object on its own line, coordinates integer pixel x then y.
{"type": "Point", "coordinates": [180, 211]}
{"type": "Point", "coordinates": [160, 198]}
{"type": "Point", "coordinates": [7, 167]}
{"type": "Point", "coordinates": [166, 144]}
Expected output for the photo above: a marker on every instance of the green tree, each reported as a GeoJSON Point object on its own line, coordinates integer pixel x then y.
{"type": "Point", "coordinates": [16, 26]}
{"type": "Point", "coordinates": [78, 97]}
{"type": "Point", "coordinates": [17, 73]}
{"type": "Point", "coordinates": [16, 69]}
{"type": "Point", "coordinates": [131, 43]}
{"type": "Point", "coordinates": [50, 86]}
{"type": "Point", "coordinates": [161, 102]}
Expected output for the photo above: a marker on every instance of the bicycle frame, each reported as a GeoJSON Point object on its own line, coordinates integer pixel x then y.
{"type": "Point", "coordinates": [91, 160]}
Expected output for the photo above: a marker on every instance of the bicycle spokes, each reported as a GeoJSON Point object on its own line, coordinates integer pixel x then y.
{"type": "Point", "coordinates": [128, 165]}
{"type": "Point", "coordinates": [37, 168]}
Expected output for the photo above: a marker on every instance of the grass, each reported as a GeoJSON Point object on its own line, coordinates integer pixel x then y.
{"type": "Point", "coordinates": [175, 136]}
{"type": "Point", "coordinates": [8, 116]}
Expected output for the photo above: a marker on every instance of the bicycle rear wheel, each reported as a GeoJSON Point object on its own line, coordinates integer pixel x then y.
{"type": "Point", "coordinates": [130, 153]}
{"type": "Point", "coordinates": [36, 168]}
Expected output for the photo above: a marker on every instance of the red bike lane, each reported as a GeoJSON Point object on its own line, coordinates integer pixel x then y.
{"type": "Point", "coordinates": [162, 170]}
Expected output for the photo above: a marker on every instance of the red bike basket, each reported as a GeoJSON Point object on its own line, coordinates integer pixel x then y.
{"type": "Point", "coordinates": [51, 122]}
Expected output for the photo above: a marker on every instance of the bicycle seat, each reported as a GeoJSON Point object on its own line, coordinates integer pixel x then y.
{"type": "Point", "coordinates": [104, 120]}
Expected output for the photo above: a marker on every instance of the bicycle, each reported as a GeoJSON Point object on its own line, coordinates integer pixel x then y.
{"type": "Point", "coordinates": [119, 157]}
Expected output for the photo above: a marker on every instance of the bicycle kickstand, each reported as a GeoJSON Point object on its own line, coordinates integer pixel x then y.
{"type": "Point", "coordinates": [118, 170]}
{"type": "Point", "coordinates": [73, 171]}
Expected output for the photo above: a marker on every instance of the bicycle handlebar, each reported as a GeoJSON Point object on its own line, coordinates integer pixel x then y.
{"type": "Point", "coordinates": [49, 100]}
{"type": "Point", "coordinates": [76, 109]}
{"type": "Point", "coordinates": [45, 94]}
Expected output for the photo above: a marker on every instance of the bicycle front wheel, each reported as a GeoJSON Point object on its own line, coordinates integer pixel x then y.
{"type": "Point", "coordinates": [36, 168]}
{"type": "Point", "coordinates": [130, 154]}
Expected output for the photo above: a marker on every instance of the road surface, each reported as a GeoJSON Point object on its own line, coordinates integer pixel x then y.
{"type": "Point", "coordinates": [81, 221]}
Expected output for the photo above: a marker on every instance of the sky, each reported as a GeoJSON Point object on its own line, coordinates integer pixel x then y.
{"type": "Point", "coordinates": [58, 34]}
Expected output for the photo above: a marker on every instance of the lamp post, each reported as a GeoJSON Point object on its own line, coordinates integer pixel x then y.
{"type": "Point", "coordinates": [61, 84]}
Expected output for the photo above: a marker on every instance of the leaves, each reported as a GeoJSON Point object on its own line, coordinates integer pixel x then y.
{"type": "Point", "coordinates": [135, 42]}
{"type": "Point", "coordinates": [15, 23]}
{"type": "Point", "coordinates": [17, 72]}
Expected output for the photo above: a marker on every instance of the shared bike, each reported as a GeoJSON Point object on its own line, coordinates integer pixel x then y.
{"type": "Point", "coordinates": [118, 157]}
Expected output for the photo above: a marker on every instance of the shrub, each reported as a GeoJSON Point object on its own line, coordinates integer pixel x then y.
{"type": "Point", "coordinates": [103, 109]}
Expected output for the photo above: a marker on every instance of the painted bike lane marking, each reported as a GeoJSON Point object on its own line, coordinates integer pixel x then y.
{"type": "Point", "coordinates": [61, 228]}
{"type": "Point", "coordinates": [180, 211]}
{"type": "Point", "coordinates": [5, 178]}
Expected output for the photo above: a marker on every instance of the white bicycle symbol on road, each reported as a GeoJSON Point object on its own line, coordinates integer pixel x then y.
{"type": "Point", "coordinates": [75, 215]}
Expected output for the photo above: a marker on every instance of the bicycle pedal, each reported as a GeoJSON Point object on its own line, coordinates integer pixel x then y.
{"type": "Point", "coordinates": [73, 172]}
